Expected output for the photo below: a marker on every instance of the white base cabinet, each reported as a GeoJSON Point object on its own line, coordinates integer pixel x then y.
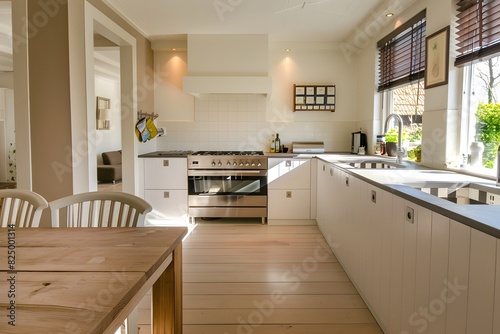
{"type": "Point", "coordinates": [165, 188]}
{"type": "Point", "coordinates": [289, 191]}
{"type": "Point", "coordinates": [418, 271]}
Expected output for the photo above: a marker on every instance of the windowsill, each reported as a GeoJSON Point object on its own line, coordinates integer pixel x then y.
{"type": "Point", "coordinates": [485, 174]}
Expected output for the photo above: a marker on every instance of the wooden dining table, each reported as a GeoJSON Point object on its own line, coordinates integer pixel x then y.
{"type": "Point", "coordinates": [88, 280]}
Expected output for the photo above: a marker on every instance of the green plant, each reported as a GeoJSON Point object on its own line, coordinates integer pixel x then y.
{"type": "Point", "coordinates": [391, 136]}
{"type": "Point", "coordinates": [414, 132]}
{"type": "Point", "coordinates": [488, 130]}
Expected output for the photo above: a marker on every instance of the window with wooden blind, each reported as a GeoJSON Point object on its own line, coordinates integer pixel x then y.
{"type": "Point", "coordinates": [478, 30]}
{"type": "Point", "coordinates": [402, 54]}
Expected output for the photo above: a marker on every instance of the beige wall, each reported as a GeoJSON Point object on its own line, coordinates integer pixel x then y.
{"type": "Point", "coordinates": [49, 95]}
{"type": "Point", "coordinates": [49, 100]}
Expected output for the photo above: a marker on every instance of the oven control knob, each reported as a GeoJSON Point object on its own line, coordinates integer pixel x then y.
{"type": "Point", "coordinates": [259, 163]}
{"type": "Point", "coordinates": [241, 163]}
{"type": "Point", "coordinates": [219, 164]}
{"type": "Point", "coordinates": [247, 164]}
{"type": "Point", "coordinates": [235, 164]}
{"type": "Point", "coordinates": [213, 163]}
{"type": "Point", "coordinates": [228, 164]}
{"type": "Point", "coordinates": [253, 163]}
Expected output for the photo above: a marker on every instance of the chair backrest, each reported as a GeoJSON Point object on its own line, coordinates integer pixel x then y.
{"type": "Point", "coordinates": [21, 207]}
{"type": "Point", "coordinates": [100, 209]}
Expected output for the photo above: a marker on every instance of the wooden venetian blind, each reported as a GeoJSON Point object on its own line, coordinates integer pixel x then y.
{"type": "Point", "coordinates": [478, 30]}
{"type": "Point", "coordinates": [402, 54]}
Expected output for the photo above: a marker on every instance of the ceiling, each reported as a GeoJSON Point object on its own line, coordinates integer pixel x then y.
{"type": "Point", "coordinates": [282, 20]}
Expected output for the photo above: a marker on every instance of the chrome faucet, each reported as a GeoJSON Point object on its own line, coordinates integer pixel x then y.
{"type": "Point", "coordinates": [401, 152]}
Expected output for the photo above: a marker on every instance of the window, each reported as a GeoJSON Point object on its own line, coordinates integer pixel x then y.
{"type": "Point", "coordinates": [408, 102]}
{"type": "Point", "coordinates": [401, 74]}
{"type": "Point", "coordinates": [478, 45]}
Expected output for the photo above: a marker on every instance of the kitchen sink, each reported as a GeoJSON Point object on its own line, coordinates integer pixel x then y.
{"type": "Point", "coordinates": [372, 164]}
{"type": "Point", "coordinates": [461, 193]}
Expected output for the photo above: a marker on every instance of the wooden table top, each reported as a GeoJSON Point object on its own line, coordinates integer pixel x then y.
{"type": "Point", "coordinates": [77, 280]}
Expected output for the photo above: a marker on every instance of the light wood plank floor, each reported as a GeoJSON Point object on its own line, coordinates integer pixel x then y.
{"type": "Point", "coordinates": [253, 278]}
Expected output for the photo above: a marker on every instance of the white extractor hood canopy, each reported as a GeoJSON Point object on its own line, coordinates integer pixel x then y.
{"type": "Point", "coordinates": [227, 64]}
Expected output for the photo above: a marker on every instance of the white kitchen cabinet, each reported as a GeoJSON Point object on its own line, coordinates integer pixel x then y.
{"type": "Point", "coordinates": [321, 197]}
{"type": "Point", "coordinates": [396, 271]}
{"type": "Point", "coordinates": [289, 204]}
{"type": "Point", "coordinates": [496, 308]}
{"type": "Point", "coordinates": [165, 187]}
{"type": "Point", "coordinates": [289, 191]}
{"type": "Point", "coordinates": [422, 269]}
{"type": "Point", "coordinates": [439, 273]}
{"type": "Point", "coordinates": [410, 222]}
{"type": "Point", "coordinates": [458, 274]}
{"type": "Point", "coordinates": [161, 173]}
{"type": "Point", "coordinates": [481, 283]}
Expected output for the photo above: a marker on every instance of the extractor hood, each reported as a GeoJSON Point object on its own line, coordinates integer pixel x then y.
{"type": "Point", "coordinates": [227, 64]}
{"type": "Point", "coordinates": [198, 85]}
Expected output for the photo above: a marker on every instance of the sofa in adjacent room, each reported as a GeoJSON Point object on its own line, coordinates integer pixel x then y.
{"type": "Point", "coordinates": [111, 169]}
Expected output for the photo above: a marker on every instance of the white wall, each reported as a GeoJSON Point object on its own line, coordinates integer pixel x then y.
{"type": "Point", "coordinates": [246, 122]}
{"type": "Point", "coordinates": [109, 140]}
{"type": "Point", "coordinates": [440, 118]}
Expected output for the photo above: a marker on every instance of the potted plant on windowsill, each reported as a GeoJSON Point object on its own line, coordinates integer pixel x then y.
{"type": "Point", "coordinates": [391, 142]}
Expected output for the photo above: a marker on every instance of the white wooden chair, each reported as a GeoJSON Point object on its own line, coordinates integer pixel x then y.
{"type": "Point", "coordinates": [100, 209]}
{"type": "Point", "coordinates": [21, 207]}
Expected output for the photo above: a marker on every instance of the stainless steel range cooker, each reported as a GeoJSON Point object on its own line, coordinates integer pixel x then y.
{"type": "Point", "coordinates": [227, 184]}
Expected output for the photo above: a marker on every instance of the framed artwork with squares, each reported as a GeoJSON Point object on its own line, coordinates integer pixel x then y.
{"type": "Point", "coordinates": [314, 97]}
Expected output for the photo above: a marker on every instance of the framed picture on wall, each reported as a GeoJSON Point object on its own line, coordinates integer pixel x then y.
{"type": "Point", "coordinates": [314, 97]}
{"type": "Point", "coordinates": [436, 58]}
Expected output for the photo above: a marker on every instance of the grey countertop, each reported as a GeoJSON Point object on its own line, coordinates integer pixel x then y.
{"type": "Point", "coordinates": [166, 154]}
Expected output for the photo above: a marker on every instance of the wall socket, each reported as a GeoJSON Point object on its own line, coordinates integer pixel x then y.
{"type": "Point", "coordinates": [288, 194]}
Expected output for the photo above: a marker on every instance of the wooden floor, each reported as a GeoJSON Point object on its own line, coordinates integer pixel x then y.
{"type": "Point", "coordinates": [253, 278]}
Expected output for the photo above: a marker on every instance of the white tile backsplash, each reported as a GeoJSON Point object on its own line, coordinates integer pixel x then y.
{"type": "Point", "coordinates": [242, 122]}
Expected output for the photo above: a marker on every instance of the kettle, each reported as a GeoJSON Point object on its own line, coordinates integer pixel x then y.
{"type": "Point", "coordinates": [358, 140]}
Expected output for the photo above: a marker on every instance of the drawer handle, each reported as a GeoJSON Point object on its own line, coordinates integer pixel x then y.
{"type": "Point", "coordinates": [165, 163]}
{"type": "Point", "coordinates": [166, 194]}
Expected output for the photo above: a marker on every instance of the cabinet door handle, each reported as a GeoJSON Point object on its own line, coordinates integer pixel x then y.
{"type": "Point", "coordinates": [347, 181]}
{"type": "Point", "coordinates": [324, 168]}
{"type": "Point", "coordinates": [331, 171]}
{"type": "Point", "coordinates": [166, 194]}
{"type": "Point", "coordinates": [374, 196]}
{"type": "Point", "coordinates": [165, 163]}
{"type": "Point", "coordinates": [409, 215]}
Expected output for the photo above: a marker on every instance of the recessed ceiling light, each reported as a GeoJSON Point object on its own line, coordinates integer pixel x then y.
{"type": "Point", "coordinates": [287, 50]}
{"type": "Point", "coordinates": [389, 14]}
{"type": "Point", "coordinates": [174, 49]}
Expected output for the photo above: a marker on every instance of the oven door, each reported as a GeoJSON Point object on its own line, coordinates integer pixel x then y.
{"type": "Point", "coordinates": [227, 193]}
{"type": "Point", "coordinates": [227, 182]}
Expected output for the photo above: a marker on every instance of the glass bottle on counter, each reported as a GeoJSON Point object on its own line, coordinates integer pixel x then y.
{"type": "Point", "coordinates": [272, 144]}
{"type": "Point", "coordinates": [277, 144]}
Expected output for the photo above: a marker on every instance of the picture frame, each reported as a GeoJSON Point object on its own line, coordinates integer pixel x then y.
{"type": "Point", "coordinates": [437, 58]}
{"type": "Point", "coordinates": [299, 100]}
{"type": "Point", "coordinates": [299, 90]}
{"type": "Point", "coordinates": [314, 97]}
{"type": "Point", "coordinates": [103, 107]}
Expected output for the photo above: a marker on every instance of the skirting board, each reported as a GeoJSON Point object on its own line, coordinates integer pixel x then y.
{"type": "Point", "coordinates": [295, 222]}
